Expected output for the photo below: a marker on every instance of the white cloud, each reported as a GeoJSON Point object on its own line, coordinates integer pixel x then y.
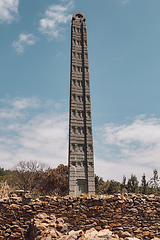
{"type": "Point", "coordinates": [143, 131]}
{"type": "Point", "coordinates": [55, 17]}
{"type": "Point", "coordinates": [124, 2]}
{"type": "Point", "coordinates": [116, 170]}
{"type": "Point", "coordinates": [129, 148]}
{"type": "Point", "coordinates": [22, 103]}
{"type": "Point", "coordinates": [8, 10]}
{"type": "Point", "coordinates": [40, 135]}
{"type": "Point", "coordinates": [32, 129]}
{"type": "Point", "coordinates": [24, 41]}
{"type": "Point", "coordinates": [17, 106]}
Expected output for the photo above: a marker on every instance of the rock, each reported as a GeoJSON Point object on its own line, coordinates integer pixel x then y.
{"type": "Point", "coordinates": [104, 233]}
{"type": "Point", "coordinates": [91, 233]}
{"type": "Point", "coordinates": [42, 215]}
{"type": "Point", "coordinates": [14, 206]}
{"type": "Point", "coordinates": [53, 233]}
{"type": "Point", "coordinates": [74, 234]}
{"type": "Point", "coordinates": [124, 216]}
{"type": "Point", "coordinates": [15, 235]}
{"type": "Point", "coordinates": [126, 234]}
{"type": "Point", "coordinates": [120, 204]}
{"type": "Point", "coordinates": [145, 233]}
{"type": "Point", "coordinates": [130, 238]}
{"type": "Point", "coordinates": [134, 210]}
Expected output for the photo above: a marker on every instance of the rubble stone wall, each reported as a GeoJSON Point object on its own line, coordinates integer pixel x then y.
{"type": "Point", "coordinates": [128, 216]}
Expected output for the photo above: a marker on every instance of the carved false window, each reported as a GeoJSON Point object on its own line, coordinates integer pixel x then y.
{"type": "Point", "coordinates": [73, 164]}
{"type": "Point", "coordinates": [74, 129]}
{"type": "Point", "coordinates": [79, 55]}
{"type": "Point", "coordinates": [90, 148]}
{"type": "Point", "coordinates": [81, 147]}
{"type": "Point", "coordinates": [79, 164]}
{"type": "Point", "coordinates": [89, 130]}
{"type": "Point", "coordinates": [91, 164]}
{"type": "Point", "coordinates": [74, 113]}
{"type": "Point", "coordinates": [79, 130]}
{"type": "Point", "coordinates": [88, 99]}
{"type": "Point", "coordinates": [86, 69]}
{"type": "Point", "coordinates": [79, 114]}
{"type": "Point", "coordinates": [79, 83]}
{"type": "Point", "coordinates": [87, 83]}
{"type": "Point", "coordinates": [78, 69]}
{"type": "Point", "coordinates": [74, 97]}
{"type": "Point", "coordinates": [73, 147]}
{"type": "Point", "coordinates": [89, 114]}
{"type": "Point", "coordinates": [74, 82]}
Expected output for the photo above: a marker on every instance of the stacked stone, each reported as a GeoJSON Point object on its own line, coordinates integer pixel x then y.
{"type": "Point", "coordinates": [15, 216]}
{"type": "Point", "coordinates": [127, 216]}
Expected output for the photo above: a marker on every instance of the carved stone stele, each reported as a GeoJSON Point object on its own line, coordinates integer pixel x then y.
{"type": "Point", "coordinates": [81, 158]}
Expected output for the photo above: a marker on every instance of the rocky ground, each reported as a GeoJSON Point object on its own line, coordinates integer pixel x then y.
{"type": "Point", "coordinates": [128, 216]}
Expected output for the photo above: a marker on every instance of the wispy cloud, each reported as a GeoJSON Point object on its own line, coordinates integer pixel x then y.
{"type": "Point", "coordinates": [124, 2]}
{"type": "Point", "coordinates": [142, 131]}
{"type": "Point", "coordinates": [55, 18]}
{"type": "Point", "coordinates": [33, 131]}
{"type": "Point", "coordinates": [8, 11]}
{"type": "Point", "coordinates": [23, 103]}
{"type": "Point", "coordinates": [24, 40]}
{"type": "Point", "coordinates": [128, 148]}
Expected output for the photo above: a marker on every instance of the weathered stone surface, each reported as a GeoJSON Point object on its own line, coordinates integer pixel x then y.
{"type": "Point", "coordinates": [91, 233]}
{"type": "Point", "coordinates": [83, 217]}
{"type": "Point", "coordinates": [81, 159]}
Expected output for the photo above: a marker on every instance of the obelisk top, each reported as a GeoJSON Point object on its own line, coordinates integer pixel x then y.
{"type": "Point", "coordinates": [79, 17]}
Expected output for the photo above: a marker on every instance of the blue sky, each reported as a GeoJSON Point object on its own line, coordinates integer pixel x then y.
{"type": "Point", "coordinates": [124, 60]}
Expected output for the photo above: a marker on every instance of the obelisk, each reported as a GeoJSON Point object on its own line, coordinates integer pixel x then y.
{"type": "Point", "coordinates": [81, 158]}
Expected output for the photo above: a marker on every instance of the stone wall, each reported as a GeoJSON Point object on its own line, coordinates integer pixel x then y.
{"type": "Point", "coordinates": [85, 217]}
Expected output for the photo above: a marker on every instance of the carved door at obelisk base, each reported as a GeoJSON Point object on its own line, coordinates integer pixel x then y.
{"type": "Point", "coordinates": [81, 186]}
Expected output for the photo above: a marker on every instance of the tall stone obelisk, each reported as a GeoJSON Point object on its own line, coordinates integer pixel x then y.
{"type": "Point", "coordinates": [81, 159]}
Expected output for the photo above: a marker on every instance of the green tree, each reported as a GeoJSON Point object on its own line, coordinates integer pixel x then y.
{"type": "Point", "coordinates": [144, 185]}
{"type": "Point", "coordinates": [100, 185]}
{"type": "Point", "coordinates": [2, 174]}
{"type": "Point", "coordinates": [55, 181]}
{"type": "Point", "coordinates": [124, 181]}
{"type": "Point", "coordinates": [154, 182]}
{"type": "Point", "coordinates": [132, 184]}
{"type": "Point", "coordinates": [123, 184]}
{"type": "Point", "coordinates": [26, 175]}
{"type": "Point", "coordinates": [114, 187]}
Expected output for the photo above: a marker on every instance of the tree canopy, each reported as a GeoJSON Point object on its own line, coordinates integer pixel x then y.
{"type": "Point", "coordinates": [39, 180]}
